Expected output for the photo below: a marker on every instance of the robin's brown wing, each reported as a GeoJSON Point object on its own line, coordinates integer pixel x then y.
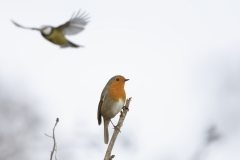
{"type": "Point", "coordinates": [103, 95]}
{"type": "Point", "coordinates": [99, 112]}
{"type": "Point", "coordinates": [75, 25]}
{"type": "Point", "coordinates": [18, 25]}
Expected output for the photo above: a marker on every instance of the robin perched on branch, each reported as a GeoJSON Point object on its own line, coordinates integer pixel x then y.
{"type": "Point", "coordinates": [111, 102]}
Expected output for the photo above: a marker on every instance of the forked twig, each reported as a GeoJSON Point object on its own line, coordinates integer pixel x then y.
{"type": "Point", "coordinates": [108, 155]}
{"type": "Point", "coordinates": [54, 141]}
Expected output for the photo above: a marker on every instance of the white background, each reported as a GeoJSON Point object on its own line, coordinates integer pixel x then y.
{"type": "Point", "coordinates": [182, 59]}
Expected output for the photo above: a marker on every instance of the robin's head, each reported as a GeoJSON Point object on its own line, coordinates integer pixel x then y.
{"type": "Point", "coordinates": [116, 87]}
{"type": "Point", "coordinates": [118, 80]}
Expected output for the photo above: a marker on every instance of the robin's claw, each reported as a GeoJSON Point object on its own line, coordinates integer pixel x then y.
{"type": "Point", "coordinates": [116, 127]}
{"type": "Point", "coordinates": [125, 107]}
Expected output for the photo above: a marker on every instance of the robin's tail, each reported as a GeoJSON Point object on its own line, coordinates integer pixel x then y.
{"type": "Point", "coordinates": [106, 123]}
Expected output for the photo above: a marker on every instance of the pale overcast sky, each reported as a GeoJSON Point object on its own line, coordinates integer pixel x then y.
{"type": "Point", "coordinates": [182, 59]}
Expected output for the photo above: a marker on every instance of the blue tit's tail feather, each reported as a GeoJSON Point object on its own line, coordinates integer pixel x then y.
{"type": "Point", "coordinates": [70, 44]}
{"type": "Point", "coordinates": [73, 45]}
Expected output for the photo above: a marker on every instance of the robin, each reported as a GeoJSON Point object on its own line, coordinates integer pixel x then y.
{"type": "Point", "coordinates": [111, 102]}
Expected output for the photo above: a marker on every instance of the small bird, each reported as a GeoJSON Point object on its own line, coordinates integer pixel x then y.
{"type": "Point", "coordinates": [111, 102]}
{"type": "Point", "coordinates": [56, 35]}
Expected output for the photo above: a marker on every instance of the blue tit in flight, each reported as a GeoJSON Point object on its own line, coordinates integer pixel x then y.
{"type": "Point", "coordinates": [56, 35]}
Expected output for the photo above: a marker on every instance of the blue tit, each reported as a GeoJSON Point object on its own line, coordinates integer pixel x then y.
{"type": "Point", "coordinates": [56, 35]}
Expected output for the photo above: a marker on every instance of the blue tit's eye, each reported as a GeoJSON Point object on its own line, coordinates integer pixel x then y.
{"type": "Point", "coordinates": [117, 79]}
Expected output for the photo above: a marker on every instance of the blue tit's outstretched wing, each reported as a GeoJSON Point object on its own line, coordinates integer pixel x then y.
{"type": "Point", "coordinates": [18, 25]}
{"type": "Point", "coordinates": [75, 25]}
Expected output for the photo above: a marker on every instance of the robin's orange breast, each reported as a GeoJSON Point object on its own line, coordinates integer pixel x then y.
{"type": "Point", "coordinates": [116, 91]}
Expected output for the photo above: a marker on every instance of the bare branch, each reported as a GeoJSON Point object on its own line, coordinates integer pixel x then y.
{"type": "Point", "coordinates": [54, 141]}
{"type": "Point", "coordinates": [108, 155]}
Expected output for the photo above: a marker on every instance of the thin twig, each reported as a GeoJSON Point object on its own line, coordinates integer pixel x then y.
{"type": "Point", "coordinates": [108, 155]}
{"type": "Point", "coordinates": [111, 157]}
{"type": "Point", "coordinates": [48, 135]}
{"type": "Point", "coordinates": [56, 153]}
{"type": "Point", "coordinates": [54, 141]}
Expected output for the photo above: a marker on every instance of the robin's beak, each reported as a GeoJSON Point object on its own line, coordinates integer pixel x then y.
{"type": "Point", "coordinates": [126, 79]}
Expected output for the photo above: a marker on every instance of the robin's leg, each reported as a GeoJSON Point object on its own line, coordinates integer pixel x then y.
{"type": "Point", "coordinates": [112, 123]}
{"type": "Point", "coordinates": [115, 127]}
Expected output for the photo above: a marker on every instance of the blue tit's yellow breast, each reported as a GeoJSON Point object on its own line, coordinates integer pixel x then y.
{"type": "Point", "coordinates": [56, 37]}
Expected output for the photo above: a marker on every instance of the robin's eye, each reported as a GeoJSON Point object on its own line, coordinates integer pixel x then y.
{"type": "Point", "coordinates": [117, 79]}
